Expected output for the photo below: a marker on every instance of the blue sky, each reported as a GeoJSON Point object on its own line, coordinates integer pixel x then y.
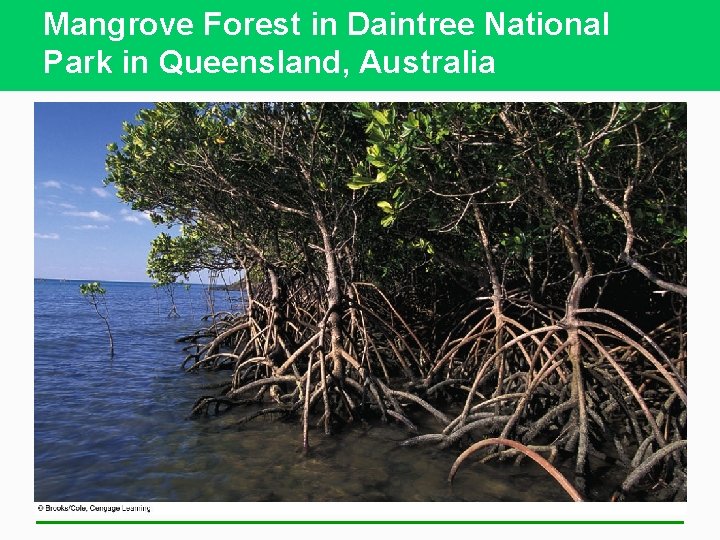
{"type": "Point", "coordinates": [82, 230]}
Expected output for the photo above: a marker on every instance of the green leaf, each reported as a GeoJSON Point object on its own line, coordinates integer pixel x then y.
{"type": "Point", "coordinates": [90, 289]}
{"type": "Point", "coordinates": [376, 135]}
{"type": "Point", "coordinates": [360, 182]}
{"type": "Point", "coordinates": [387, 221]}
{"type": "Point", "coordinates": [381, 117]}
{"type": "Point", "coordinates": [386, 207]}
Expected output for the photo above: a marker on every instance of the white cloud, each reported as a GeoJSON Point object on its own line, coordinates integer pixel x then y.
{"type": "Point", "coordinates": [138, 218]}
{"type": "Point", "coordinates": [54, 204]}
{"type": "Point", "coordinates": [77, 189]}
{"type": "Point", "coordinates": [51, 184]}
{"type": "Point", "coordinates": [50, 236]}
{"type": "Point", "coordinates": [133, 219]}
{"type": "Point", "coordinates": [100, 192]}
{"type": "Point", "coordinates": [94, 215]}
{"type": "Point", "coordinates": [90, 227]}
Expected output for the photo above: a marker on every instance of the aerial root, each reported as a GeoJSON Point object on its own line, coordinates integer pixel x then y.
{"type": "Point", "coordinates": [442, 418]}
{"type": "Point", "coordinates": [553, 387]}
{"type": "Point", "coordinates": [541, 424]}
{"type": "Point", "coordinates": [551, 449]}
{"type": "Point", "coordinates": [545, 464]}
{"type": "Point", "coordinates": [647, 465]}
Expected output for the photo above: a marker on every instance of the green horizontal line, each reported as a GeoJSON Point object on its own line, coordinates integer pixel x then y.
{"type": "Point", "coordinates": [365, 522]}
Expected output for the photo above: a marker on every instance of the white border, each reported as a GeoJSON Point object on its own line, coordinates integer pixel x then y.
{"type": "Point", "coordinates": [18, 506]}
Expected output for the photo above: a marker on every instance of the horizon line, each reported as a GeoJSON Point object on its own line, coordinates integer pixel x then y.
{"type": "Point", "coordinates": [36, 278]}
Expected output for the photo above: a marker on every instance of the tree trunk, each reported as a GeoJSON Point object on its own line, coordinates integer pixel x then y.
{"type": "Point", "coordinates": [496, 295]}
{"type": "Point", "coordinates": [334, 295]}
{"type": "Point", "coordinates": [577, 390]}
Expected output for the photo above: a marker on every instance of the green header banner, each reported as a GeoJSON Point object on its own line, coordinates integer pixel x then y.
{"type": "Point", "coordinates": [354, 45]}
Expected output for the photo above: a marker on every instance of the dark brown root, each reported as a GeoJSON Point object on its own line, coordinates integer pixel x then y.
{"type": "Point", "coordinates": [644, 468]}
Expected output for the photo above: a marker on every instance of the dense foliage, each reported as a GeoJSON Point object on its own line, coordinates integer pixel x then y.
{"type": "Point", "coordinates": [514, 270]}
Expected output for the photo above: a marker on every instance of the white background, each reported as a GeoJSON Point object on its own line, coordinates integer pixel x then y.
{"type": "Point", "coordinates": [19, 510]}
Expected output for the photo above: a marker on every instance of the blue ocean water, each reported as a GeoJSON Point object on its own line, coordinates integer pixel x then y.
{"type": "Point", "coordinates": [117, 428]}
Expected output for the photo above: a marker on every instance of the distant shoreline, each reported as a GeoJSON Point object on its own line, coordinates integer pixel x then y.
{"type": "Point", "coordinates": [107, 281]}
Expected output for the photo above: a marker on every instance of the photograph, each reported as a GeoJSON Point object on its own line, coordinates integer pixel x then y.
{"type": "Point", "coordinates": [345, 301]}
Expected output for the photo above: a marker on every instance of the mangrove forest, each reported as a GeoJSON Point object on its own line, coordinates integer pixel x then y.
{"type": "Point", "coordinates": [502, 280]}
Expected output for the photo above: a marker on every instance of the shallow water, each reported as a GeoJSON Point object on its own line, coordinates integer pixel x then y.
{"type": "Point", "coordinates": [116, 429]}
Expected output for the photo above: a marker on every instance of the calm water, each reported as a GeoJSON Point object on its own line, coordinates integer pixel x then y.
{"type": "Point", "coordinates": [117, 429]}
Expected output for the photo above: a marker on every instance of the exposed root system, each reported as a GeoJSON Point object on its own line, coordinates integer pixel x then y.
{"type": "Point", "coordinates": [621, 401]}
